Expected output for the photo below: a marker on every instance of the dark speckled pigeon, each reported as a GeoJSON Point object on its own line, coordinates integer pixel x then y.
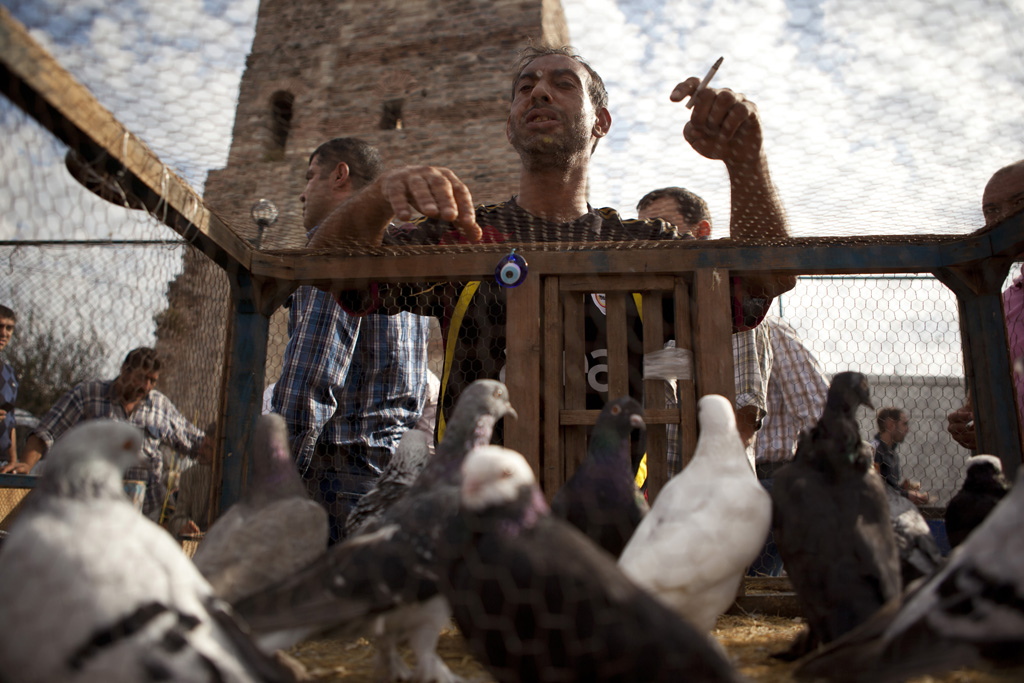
{"type": "Point", "coordinates": [537, 601]}
{"type": "Point", "coordinates": [830, 518]}
{"type": "Point", "coordinates": [408, 460]}
{"type": "Point", "coordinates": [601, 498]}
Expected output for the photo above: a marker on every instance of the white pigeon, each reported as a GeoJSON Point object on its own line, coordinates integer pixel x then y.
{"type": "Point", "coordinates": [93, 591]}
{"type": "Point", "coordinates": [273, 531]}
{"type": "Point", "coordinates": [706, 526]}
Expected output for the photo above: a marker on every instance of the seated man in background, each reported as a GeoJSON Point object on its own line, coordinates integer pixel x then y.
{"type": "Point", "coordinates": [129, 397]}
{"type": "Point", "coordinates": [893, 426]}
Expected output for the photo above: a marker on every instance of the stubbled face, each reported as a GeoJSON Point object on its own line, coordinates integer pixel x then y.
{"type": "Point", "coordinates": [317, 198]}
{"type": "Point", "coordinates": [551, 113]}
{"type": "Point", "coordinates": [6, 332]}
{"type": "Point", "coordinates": [1004, 195]}
{"type": "Point", "coordinates": [136, 383]}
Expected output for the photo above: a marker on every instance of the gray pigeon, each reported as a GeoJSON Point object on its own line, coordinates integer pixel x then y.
{"type": "Point", "coordinates": [384, 581]}
{"type": "Point", "coordinates": [93, 591]}
{"type": "Point", "coordinates": [408, 460]}
{"type": "Point", "coordinates": [971, 611]}
{"type": "Point", "coordinates": [601, 498]}
{"type": "Point", "coordinates": [830, 519]}
{"type": "Point", "coordinates": [983, 488]}
{"type": "Point", "coordinates": [678, 552]}
{"type": "Point", "coordinates": [919, 552]}
{"type": "Point", "coordinates": [537, 601]}
{"type": "Point", "coordinates": [272, 531]}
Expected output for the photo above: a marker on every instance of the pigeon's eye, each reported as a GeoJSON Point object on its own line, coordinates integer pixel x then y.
{"type": "Point", "coordinates": [127, 445]}
{"type": "Point", "coordinates": [506, 473]}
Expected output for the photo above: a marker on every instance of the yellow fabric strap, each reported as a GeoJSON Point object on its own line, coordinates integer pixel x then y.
{"type": "Point", "coordinates": [641, 472]}
{"type": "Point", "coordinates": [449, 352]}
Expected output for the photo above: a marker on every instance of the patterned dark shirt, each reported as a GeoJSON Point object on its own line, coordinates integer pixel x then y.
{"type": "Point", "coordinates": [477, 309]}
{"type": "Point", "coordinates": [888, 463]}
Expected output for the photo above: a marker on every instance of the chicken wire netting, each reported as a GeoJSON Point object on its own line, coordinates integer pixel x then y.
{"type": "Point", "coordinates": [865, 136]}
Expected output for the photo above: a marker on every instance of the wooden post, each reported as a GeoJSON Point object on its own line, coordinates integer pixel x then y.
{"type": "Point", "coordinates": [522, 369]}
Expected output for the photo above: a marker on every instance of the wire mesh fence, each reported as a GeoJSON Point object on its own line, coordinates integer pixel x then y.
{"type": "Point", "coordinates": [855, 163]}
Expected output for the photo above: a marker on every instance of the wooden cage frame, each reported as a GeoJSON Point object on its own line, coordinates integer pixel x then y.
{"type": "Point", "coordinates": [973, 266]}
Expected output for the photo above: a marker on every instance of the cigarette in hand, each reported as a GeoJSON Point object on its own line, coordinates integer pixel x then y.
{"type": "Point", "coordinates": [704, 83]}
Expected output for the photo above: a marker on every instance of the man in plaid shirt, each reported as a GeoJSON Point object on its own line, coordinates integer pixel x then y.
{"type": "Point", "coordinates": [796, 398]}
{"type": "Point", "coordinates": [349, 386]}
{"type": "Point", "coordinates": [130, 397]}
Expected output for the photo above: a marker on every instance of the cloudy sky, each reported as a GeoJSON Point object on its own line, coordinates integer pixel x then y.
{"type": "Point", "coordinates": [879, 116]}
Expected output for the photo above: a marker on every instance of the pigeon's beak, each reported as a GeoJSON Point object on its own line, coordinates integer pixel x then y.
{"type": "Point", "coordinates": [512, 411]}
{"type": "Point", "coordinates": [637, 422]}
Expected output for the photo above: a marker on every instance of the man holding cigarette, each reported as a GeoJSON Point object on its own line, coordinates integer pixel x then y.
{"type": "Point", "coordinates": [558, 114]}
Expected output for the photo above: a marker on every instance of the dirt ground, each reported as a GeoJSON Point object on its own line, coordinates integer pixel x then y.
{"type": "Point", "coordinates": [749, 639]}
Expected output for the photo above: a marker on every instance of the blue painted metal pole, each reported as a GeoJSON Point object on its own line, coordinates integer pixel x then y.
{"type": "Point", "coordinates": [244, 372]}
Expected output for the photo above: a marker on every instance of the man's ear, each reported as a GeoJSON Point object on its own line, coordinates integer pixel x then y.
{"type": "Point", "coordinates": [340, 175]}
{"type": "Point", "coordinates": [603, 123]}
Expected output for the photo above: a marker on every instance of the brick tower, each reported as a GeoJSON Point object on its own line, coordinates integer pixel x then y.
{"type": "Point", "coordinates": [426, 81]}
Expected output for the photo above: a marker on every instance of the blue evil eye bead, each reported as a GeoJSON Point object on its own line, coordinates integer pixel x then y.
{"type": "Point", "coordinates": [511, 270]}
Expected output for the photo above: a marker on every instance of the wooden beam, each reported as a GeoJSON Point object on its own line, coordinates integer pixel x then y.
{"type": "Point", "coordinates": [654, 395]}
{"type": "Point", "coordinates": [552, 474]}
{"type": "Point", "coordinates": [31, 78]}
{"type": "Point", "coordinates": [865, 255]}
{"type": "Point", "coordinates": [686, 390]}
{"type": "Point", "coordinates": [712, 334]}
{"type": "Point", "coordinates": [575, 392]}
{"type": "Point", "coordinates": [522, 368]}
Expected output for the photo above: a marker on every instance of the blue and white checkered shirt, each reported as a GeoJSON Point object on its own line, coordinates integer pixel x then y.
{"type": "Point", "coordinates": [159, 420]}
{"type": "Point", "coordinates": [354, 382]}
